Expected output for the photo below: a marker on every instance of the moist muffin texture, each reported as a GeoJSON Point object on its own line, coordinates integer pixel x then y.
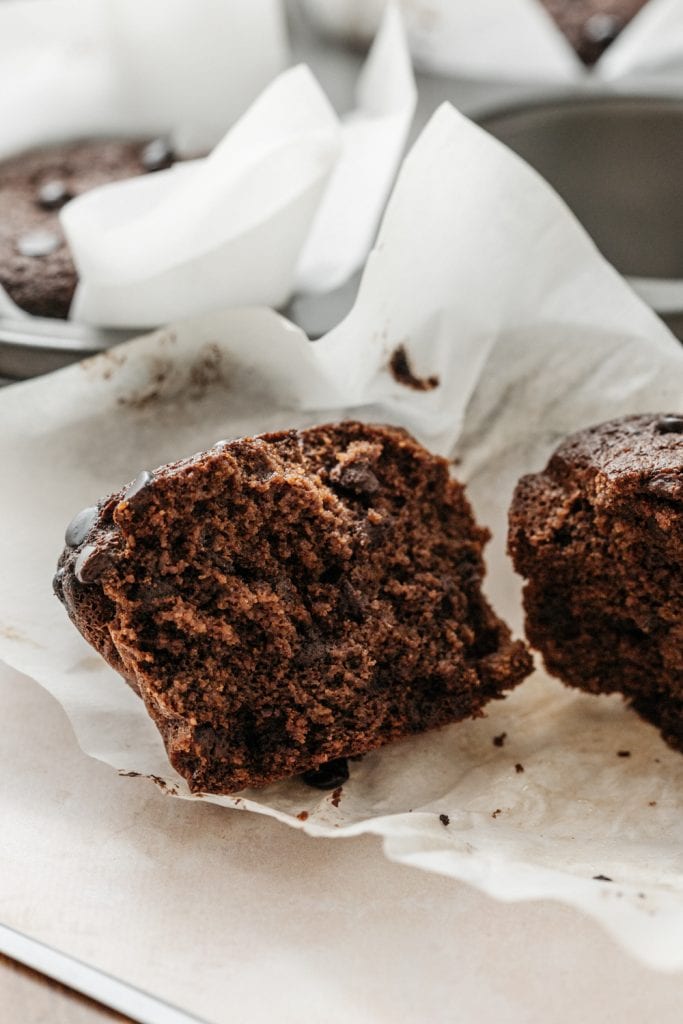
{"type": "Point", "coordinates": [592, 25]}
{"type": "Point", "coordinates": [285, 600]}
{"type": "Point", "coordinates": [36, 267]}
{"type": "Point", "coordinates": [598, 535]}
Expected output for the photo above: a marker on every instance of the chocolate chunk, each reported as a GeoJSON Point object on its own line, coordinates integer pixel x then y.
{"type": "Point", "coordinates": [357, 478]}
{"type": "Point", "coordinates": [90, 563]}
{"type": "Point", "coordinates": [140, 482]}
{"type": "Point", "coordinates": [328, 776]}
{"type": "Point", "coordinates": [38, 243]}
{"type": "Point", "coordinates": [157, 155]}
{"type": "Point", "coordinates": [80, 526]}
{"type": "Point", "coordinates": [52, 195]}
{"type": "Point", "coordinates": [669, 425]}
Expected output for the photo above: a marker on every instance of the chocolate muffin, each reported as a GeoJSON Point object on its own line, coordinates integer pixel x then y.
{"type": "Point", "coordinates": [286, 600]}
{"type": "Point", "coordinates": [36, 268]}
{"type": "Point", "coordinates": [598, 535]}
{"type": "Point", "coordinates": [592, 25]}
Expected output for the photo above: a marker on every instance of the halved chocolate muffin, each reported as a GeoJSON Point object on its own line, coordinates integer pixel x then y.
{"type": "Point", "coordinates": [598, 535]}
{"type": "Point", "coordinates": [36, 267]}
{"type": "Point", "coordinates": [592, 25]}
{"type": "Point", "coordinates": [284, 600]}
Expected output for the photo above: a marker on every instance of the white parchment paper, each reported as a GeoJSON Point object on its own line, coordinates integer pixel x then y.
{"type": "Point", "coordinates": [515, 39]}
{"type": "Point", "coordinates": [489, 282]}
{"type": "Point", "coordinates": [289, 199]}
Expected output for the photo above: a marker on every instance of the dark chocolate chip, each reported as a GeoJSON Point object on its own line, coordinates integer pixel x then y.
{"type": "Point", "coordinates": [38, 243]}
{"type": "Point", "coordinates": [157, 155]}
{"type": "Point", "coordinates": [80, 526]}
{"type": "Point", "coordinates": [90, 564]}
{"type": "Point", "coordinates": [666, 486]}
{"type": "Point", "coordinates": [360, 479]}
{"type": "Point", "coordinates": [141, 481]}
{"type": "Point", "coordinates": [445, 820]}
{"type": "Point", "coordinates": [328, 776]}
{"type": "Point", "coordinates": [53, 194]}
{"type": "Point", "coordinates": [602, 28]}
{"type": "Point", "coordinates": [669, 425]}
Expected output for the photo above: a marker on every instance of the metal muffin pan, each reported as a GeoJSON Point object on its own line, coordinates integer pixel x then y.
{"type": "Point", "coordinates": [616, 161]}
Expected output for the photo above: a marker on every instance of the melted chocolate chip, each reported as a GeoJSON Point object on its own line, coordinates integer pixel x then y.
{"type": "Point", "coordinates": [157, 155]}
{"type": "Point", "coordinates": [80, 526]}
{"type": "Point", "coordinates": [669, 425]}
{"type": "Point", "coordinates": [328, 776]}
{"type": "Point", "coordinates": [602, 28]}
{"type": "Point", "coordinates": [38, 243]}
{"type": "Point", "coordinates": [53, 194]}
{"type": "Point", "coordinates": [141, 481]}
{"type": "Point", "coordinates": [90, 564]}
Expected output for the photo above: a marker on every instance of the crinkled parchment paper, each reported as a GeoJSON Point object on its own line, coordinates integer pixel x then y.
{"type": "Point", "coordinates": [484, 276]}
{"type": "Point", "coordinates": [516, 40]}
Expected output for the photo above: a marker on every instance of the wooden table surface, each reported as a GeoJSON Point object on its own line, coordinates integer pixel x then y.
{"type": "Point", "coordinates": [30, 998]}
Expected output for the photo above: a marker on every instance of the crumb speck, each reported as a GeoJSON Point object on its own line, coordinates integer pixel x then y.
{"type": "Point", "coordinates": [129, 775]}
{"type": "Point", "coordinates": [519, 768]}
{"type": "Point", "coordinates": [302, 815]}
{"type": "Point", "coordinates": [445, 820]}
{"type": "Point", "coordinates": [402, 372]}
{"type": "Point", "coordinates": [623, 753]}
{"type": "Point", "coordinates": [602, 878]}
{"type": "Point", "coordinates": [336, 796]}
{"type": "Point", "coordinates": [499, 741]}
{"type": "Point", "coordinates": [652, 803]}
{"type": "Point", "coordinates": [496, 812]}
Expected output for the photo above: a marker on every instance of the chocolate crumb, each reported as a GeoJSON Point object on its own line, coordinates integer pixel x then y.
{"type": "Point", "coordinates": [623, 753]}
{"type": "Point", "coordinates": [496, 812]}
{"type": "Point", "coordinates": [445, 820]}
{"type": "Point", "coordinates": [519, 768]}
{"type": "Point", "coordinates": [402, 372]}
{"type": "Point", "coordinates": [602, 878]}
{"type": "Point", "coordinates": [129, 775]}
{"type": "Point", "coordinates": [652, 803]}
{"type": "Point", "coordinates": [302, 815]}
{"type": "Point", "coordinates": [336, 796]}
{"type": "Point", "coordinates": [499, 741]}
